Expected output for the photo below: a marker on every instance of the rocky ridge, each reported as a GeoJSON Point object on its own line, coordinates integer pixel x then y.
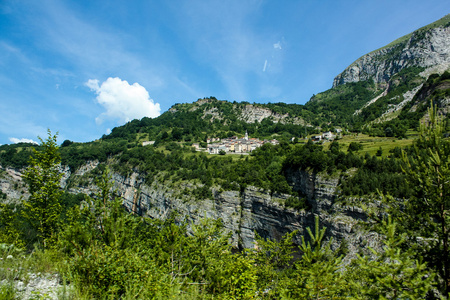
{"type": "Point", "coordinates": [249, 113]}
{"type": "Point", "coordinates": [424, 48]}
{"type": "Point", "coordinates": [252, 114]}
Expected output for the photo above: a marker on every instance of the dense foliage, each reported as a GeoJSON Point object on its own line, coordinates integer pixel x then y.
{"type": "Point", "coordinates": [211, 118]}
{"type": "Point", "coordinates": [16, 155]}
{"type": "Point", "coordinates": [424, 215]}
{"type": "Point", "coordinates": [109, 253]}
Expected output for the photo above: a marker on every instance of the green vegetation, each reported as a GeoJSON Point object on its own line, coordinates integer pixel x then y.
{"type": "Point", "coordinates": [105, 252]}
{"type": "Point", "coordinates": [16, 155]}
{"type": "Point", "coordinates": [337, 105]}
{"type": "Point", "coordinates": [435, 89]}
{"type": "Point", "coordinates": [195, 122]}
{"type": "Point", "coordinates": [423, 215]}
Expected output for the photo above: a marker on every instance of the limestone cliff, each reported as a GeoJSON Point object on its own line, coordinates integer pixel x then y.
{"type": "Point", "coordinates": [11, 184]}
{"type": "Point", "coordinates": [251, 210]}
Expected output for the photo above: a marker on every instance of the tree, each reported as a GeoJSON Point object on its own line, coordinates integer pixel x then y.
{"type": "Point", "coordinates": [392, 273]}
{"type": "Point", "coordinates": [316, 275]}
{"type": "Point", "coordinates": [354, 147]}
{"type": "Point", "coordinates": [43, 208]}
{"type": "Point", "coordinates": [425, 215]}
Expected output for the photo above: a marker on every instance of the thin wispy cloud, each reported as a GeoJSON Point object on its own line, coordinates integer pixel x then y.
{"type": "Point", "coordinates": [11, 52]}
{"type": "Point", "coordinates": [277, 46]}
{"type": "Point", "coordinates": [76, 39]}
{"type": "Point", "coordinates": [123, 102]}
{"type": "Point", "coordinates": [230, 45]}
{"type": "Point", "coordinates": [265, 65]}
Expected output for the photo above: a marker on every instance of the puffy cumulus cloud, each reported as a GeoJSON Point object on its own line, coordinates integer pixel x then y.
{"type": "Point", "coordinates": [16, 141]}
{"type": "Point", "coordinates": [122, 101]}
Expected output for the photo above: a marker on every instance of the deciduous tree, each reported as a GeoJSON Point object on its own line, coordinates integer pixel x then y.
{"type": "Point", "coordinates": [43, 176]}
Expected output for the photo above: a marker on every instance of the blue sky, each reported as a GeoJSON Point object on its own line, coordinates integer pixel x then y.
{"type": "Point", "coordinates": [84, 67]}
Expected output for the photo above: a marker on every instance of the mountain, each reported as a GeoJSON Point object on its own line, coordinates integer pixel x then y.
{"type": "Point", "coordinates": [427, 47]}
{"type": "Point", "coordinates": [374, 90]}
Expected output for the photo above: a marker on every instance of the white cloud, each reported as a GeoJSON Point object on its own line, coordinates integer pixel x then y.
{"type": "Point", "coordinates": [122, 101]}
{"type": "Point", "coordinates": [277, 46]}
{"type": "Point", "coordinates": [16, 141]}
{"type": "Point", "coordinates": [265, 65]}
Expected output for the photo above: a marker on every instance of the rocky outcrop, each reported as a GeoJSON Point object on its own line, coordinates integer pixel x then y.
{"type": "Point", "coordinates": [12, 185]}
{"type": "Point", "coordinates": [243, 213]}
{"type": "Point", "coordinates": [424, 48]}
{"type": "Point", "coordinates": [251, 114]}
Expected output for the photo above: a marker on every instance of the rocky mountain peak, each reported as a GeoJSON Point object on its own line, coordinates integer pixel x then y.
{"type": "Point", "coordinates": [427, 47]}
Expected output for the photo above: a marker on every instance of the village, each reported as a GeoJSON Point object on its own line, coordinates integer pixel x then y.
{"type": "Point", "coordinates": [245, 145]}
{"type": "Point", "coordinates": [233, 145]}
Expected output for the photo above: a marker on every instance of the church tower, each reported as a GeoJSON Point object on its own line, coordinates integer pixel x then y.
{"type": "Point", "coordinates": [246, 135]}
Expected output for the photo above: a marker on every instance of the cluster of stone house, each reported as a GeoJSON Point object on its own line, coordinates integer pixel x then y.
{"type": "Point", "coordinates": [235, 144]}
{"type": "Point", "coordinates": [327, 136]}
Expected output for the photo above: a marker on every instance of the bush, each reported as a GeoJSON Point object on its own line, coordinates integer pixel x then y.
{"type": "Point", "coordinates": [354, 147]}
{"type": "Point", "coordinates": [297, 203]}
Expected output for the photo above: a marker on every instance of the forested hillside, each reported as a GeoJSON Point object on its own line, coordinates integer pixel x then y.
{"type": "Point", "coordinates": [103, 251]}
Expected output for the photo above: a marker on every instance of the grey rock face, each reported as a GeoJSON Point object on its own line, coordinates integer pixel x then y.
{"type": "Point", "coordinates": [12, 185]}
{"type": "Point", "coordinates": [423, 48]}
{"type": "Point", "coordinates": [252, 210]}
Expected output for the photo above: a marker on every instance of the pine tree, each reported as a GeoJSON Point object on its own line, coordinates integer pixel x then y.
{"type": "Point", "coordinates": [425, 215]}
{"type": "Point", "coordinates": [317, 275]}
{"type": "Point", "coordinates": [43, 208]}
{"type": "Point", "coordinates": [391, 273]}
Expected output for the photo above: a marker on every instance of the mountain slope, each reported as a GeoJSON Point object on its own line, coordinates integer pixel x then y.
{"type": "Point", "coordinates": [374, 90]}
{"type": "Point", "coordinates": [426, 47]}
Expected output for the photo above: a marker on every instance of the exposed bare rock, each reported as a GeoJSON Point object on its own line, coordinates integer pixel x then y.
{"type": "Point", "coordinates": [12, 185]}
{"type": "Point", "coordinates": [424, 48]}
{"type": "Point", "coordinates": [243, 212]}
